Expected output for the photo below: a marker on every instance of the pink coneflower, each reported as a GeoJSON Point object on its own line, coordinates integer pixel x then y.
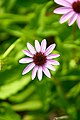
{"type": "Point", "coordinates": [70, 9]}
{"type": "Point", "coordinates": [40, 59]}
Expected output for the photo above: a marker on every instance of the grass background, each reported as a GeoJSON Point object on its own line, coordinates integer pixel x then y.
{"type": "Point", "coordinates": [23, 21]}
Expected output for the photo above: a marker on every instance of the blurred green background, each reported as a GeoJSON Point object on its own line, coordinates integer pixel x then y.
{"type": "Point", "coordinates": [23, 21]}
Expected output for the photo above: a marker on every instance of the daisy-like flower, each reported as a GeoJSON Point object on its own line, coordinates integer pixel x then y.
{"type": "Point", "coordinates": [70, 9]}
{"type": "Point", "coordinates": [39, 59]}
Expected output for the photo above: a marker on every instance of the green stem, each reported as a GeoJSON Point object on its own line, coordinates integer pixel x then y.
{"type": "Point", "coordinates": [10, 49]}
{"type": "Point", "coordinates": [60, 91]}
{"type": "Point", "coordinates": [58, 85]}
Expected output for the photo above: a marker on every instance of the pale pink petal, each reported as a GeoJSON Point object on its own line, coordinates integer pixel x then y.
{"type": "Point", "coordinates": [50, 49]}
{"type": "Point", "coordinates": [43, 45]}
{"type": "Point", "coordinates": [25, 60]}
{"type": "Point", "coordinates": [53, 62]}
{"type": "Point", "coordinates": [37, 46]}
{"type": "Point", "coordinates": [26, 52]}
{"type": "Point", "coordinates": [28, 68]}
{"type": "Point", "coordinates": [63, 3]}
{"type": "Point", "coordinates": [53, 56]}
{"type": "Point", "coordinates": [34, 71]}
{"type": "Point", "coordinates": [62, 10]}
{"type": "Point", "coordinates": [49, 66]}
{"type": "Point", "coordinates": [71, 1]}
{"type": "Point", "coordinates": [31, 48]}
{"type": "Point", "coordinates": [46, 72]}
{"type": "Point", "coordinates": [40, 73]}
{"type": "Point", "coordinates": [72, 19]}
{"type": "Point", "coordinates": [78, 21]}
{"type": "Point", "coordinates": [65, 17]}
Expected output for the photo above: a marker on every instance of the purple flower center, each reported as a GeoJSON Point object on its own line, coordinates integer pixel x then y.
{"type": "Point", "coordinates": [76, 6]}
{"type": "Point", "coordinates": [39, 59]}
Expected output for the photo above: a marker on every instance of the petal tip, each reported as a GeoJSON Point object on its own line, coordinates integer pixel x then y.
{"type": "Point", "coordinates": [60, 21]}
{"type": "Point", "coordinates": [32, 78]}
{"type": "Point", "coordinates": [23, 73]}
{"type": "Point", "coordinates": [69, 24]}
{"type": "Point", "coordinates": [49, 76]}
{"type": "Point", "coordinates": [23, 51]}
{"type": "Point", "coordinates": [58, 63]}
{"type": "Point", "coordinates": [36, 40]}
{"type": "Point", "coordinates": [58, 55]}
{"type": "Point", "coordinates": [44, 40]}
{"type": "Point", "coordinates": [54, 45]}
{"type": "Point", "coordinates": [54, 11]}
{"type": "Point", "coordinates": [54, 69]}
{"type": "Point", "coordinates": [27, 43]}
{"type": "Point", "coordinates": [19, 61]}
{"type": "Point", "coordinates": [39, 79]}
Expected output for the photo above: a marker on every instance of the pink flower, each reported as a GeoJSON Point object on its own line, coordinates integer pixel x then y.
{"type": "Point", "coordinates": [70, 9]}
{"type": "Point", "coordinates": [40, 59]}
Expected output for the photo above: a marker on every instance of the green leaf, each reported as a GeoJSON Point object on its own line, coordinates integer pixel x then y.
{"type": "Point", "coordinates": [7, 113]}
{"type": "Point", "coordinates": [12, 88]}
{"type": "Point", "coordinates": [29, 105]}
{"type": "Point", "coordinates": [74, 91]}
{"type": "Point", "coordinates": [23, 95]}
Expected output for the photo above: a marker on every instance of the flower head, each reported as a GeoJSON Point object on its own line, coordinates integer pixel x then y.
{"type": "Point", "coordinates": [70, 9]}
{"type": "Point", "coordinates": [39, 59]}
